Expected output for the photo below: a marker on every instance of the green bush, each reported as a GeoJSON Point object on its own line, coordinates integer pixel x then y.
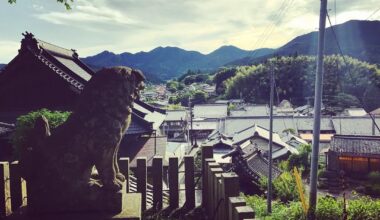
{"type": "Point", "coordinates": [280, 211]}
{"type": "Point", "coordinates": [284, 165]}
{"type": "Point", "coordinates": [285, 187]}
{"type": "Point", "coordinates": [258, 205]}
{"type": "Point", "coordinates": [301, 159]}
{"type": "Point", "coordinates": [363, 208]}
{"type": "Point", "coordinates": [328, 208]}
{"type": "Point", "coordinates": [25, 124]}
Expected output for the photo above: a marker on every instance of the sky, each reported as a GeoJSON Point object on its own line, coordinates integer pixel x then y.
{"type": "Point", "coordinates": [92, 26]}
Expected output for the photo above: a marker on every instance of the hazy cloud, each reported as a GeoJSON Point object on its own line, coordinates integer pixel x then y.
{"type": "Point", "coordinates": [202, 25]}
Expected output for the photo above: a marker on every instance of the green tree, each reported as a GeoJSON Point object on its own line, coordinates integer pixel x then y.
{"type": "Point", "coordinates": [221, 76]}
{"type": "Point", "coordinates": [345, 80]}
{"type": "Point", "coordinates": [25, 124]}
{"type": "Point", "coordinates": [199, 97]}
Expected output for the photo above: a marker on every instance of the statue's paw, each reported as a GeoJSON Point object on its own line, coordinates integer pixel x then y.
{"type": "Point", "coordinates": [113, 185]}
{"type": "Point", "coordinates": [120, 177]}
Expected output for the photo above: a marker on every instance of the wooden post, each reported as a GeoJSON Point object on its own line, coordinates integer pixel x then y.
{"type": "Point", "coordinates": [218, 194]}
{"type": "Point", "coordinates": [141, 171]}
{"type": "Point", "coordinates": [173, 183]}
{"type": "Point", "coordinates": [214, 189]}
{"type": "Point", "coordinates": [210, 186]}
{"type": "Point", "coordinates": [16, 186]}
{"type": "Point", "coordinates": [5, 197]}
{"type": "Point", "coordinates": [205, 181]}
{"type": "Point", "coordinates": [124, 169]}
{"type": "Point", "coordinates": [230, 189]}
{"type": "Point", "coordinates": [232, 203]}
{"type": "Point", "coordinates": [243, 212]}
{"type": "Point", "coordinates": [207, 153]}
{"type": "Point", "coordinates": [189, 182]}
{"type": "Point", "coordinates": [157, 182]}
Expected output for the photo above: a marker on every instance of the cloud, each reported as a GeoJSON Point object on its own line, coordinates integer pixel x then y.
{"type": "Point", "coordinates": [202, 25]}
{"type": "Point", "coordinates": [87, 13]}
{"type": "Point", "coordinates": [8, 50]}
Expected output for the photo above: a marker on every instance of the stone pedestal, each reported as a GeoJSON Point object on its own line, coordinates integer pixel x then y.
{"type": "Point", "coordinates": [130, 210]}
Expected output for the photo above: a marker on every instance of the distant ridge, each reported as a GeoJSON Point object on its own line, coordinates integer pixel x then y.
{"type": "Point", "coordinates": [358, 39]}
{"type": "Point", "coordinates": [163, 63]}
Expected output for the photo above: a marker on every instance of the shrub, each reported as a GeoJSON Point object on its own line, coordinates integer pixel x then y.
{"type": "Point", "coordinates": [285, 187]}
{"type": "Point", "coordinates": [328, 208]}
{"type": "Point", "coordinates": [363, 208]}
{"type": "Point", "coordinates": [284, 165]}
{"type": "Point", "coordinates": [301, 159]}
{"type": "Point", "coordinates": [280, 211]}
{"type": "Point", "coordinates": [258, 205]}
{"type": "Point", "coordinates": [25, 124]}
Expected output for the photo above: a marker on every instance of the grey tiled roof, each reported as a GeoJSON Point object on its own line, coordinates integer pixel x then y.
{"type": "Point", "coordinates": [252, 165]}
{"type": "Point", "coordinates": [210, 111]}
{"type": "Point", "coordinates": [354, 125]}
{"type": "Point", "coordinates": [175, 115]}
{"type": "Point", "coordinates": [231, 125]}
{"type": "Point", "coordinates": [355, 144]}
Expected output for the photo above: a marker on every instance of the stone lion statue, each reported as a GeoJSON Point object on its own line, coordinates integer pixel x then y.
{"type": "Point", "coordinates": [59, 163]}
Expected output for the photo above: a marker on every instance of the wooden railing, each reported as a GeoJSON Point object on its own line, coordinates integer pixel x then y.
{"type": "Point", "coordinates": [220, 190]}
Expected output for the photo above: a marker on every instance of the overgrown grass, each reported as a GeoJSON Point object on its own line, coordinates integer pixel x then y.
{"type": "Point", "coordinates": [328, 208]}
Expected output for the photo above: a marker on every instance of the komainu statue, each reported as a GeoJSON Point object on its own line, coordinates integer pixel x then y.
{"type": "Point", "coordinates": [58, 165]}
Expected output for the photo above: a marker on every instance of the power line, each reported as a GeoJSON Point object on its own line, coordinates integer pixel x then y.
{"type": "Point", "coordinates": [373, 13]}
{"type": "Point", "coordinates": [269, 29]}
{"type": "Point", "coordinates": [338, 44]}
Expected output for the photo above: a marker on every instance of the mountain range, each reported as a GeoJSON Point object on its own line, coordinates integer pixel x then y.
{"type": "Point", "coordinates": [163, 63]}
{"type": "Point", "coordinates": [359, 39]}
{"type": "Point", "coordinates": [355, 38]}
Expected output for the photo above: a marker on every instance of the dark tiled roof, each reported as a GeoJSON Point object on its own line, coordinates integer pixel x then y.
{"type": "Point", "coordinates": [144, 146]}
{"type": "Point", "coordinates": [252, 165]}
{"type": "Point", "coordinates": [139, 126]}
{"type": "Point", "coordinates": [356, 145]}
{"type": "Point", "coordinates": [67, 65]}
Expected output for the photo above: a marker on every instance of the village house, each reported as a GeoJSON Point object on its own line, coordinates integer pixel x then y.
{"type": "Point", "coordinates": [356, 155]}
{"type": "Point", "coordinates": [44, 75]}
{"type": "Point", "coordinates": [174, 125]}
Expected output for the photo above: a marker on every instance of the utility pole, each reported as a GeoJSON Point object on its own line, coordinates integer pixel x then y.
{"type": "Point", "coordinates": [191, 123]}
{"type": "Point", "coordinates": [269, 191]}
{"type": "Point", "coordinates": [317, 111]}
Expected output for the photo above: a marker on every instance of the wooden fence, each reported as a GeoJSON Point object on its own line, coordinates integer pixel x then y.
{"type": "Point", "coordinates": [220, 190]}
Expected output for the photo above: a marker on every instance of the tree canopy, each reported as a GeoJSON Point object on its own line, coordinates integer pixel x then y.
{"type": "Point", "coordinates": [344, 85]}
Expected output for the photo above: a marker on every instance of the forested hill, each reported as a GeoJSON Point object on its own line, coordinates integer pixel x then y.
{"type": "Point", "coordinates": [347, 82]}
{"type": "Point", "coordinates": [358, 39]}
{"type": "Point", "coordinates": [163, 63]}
